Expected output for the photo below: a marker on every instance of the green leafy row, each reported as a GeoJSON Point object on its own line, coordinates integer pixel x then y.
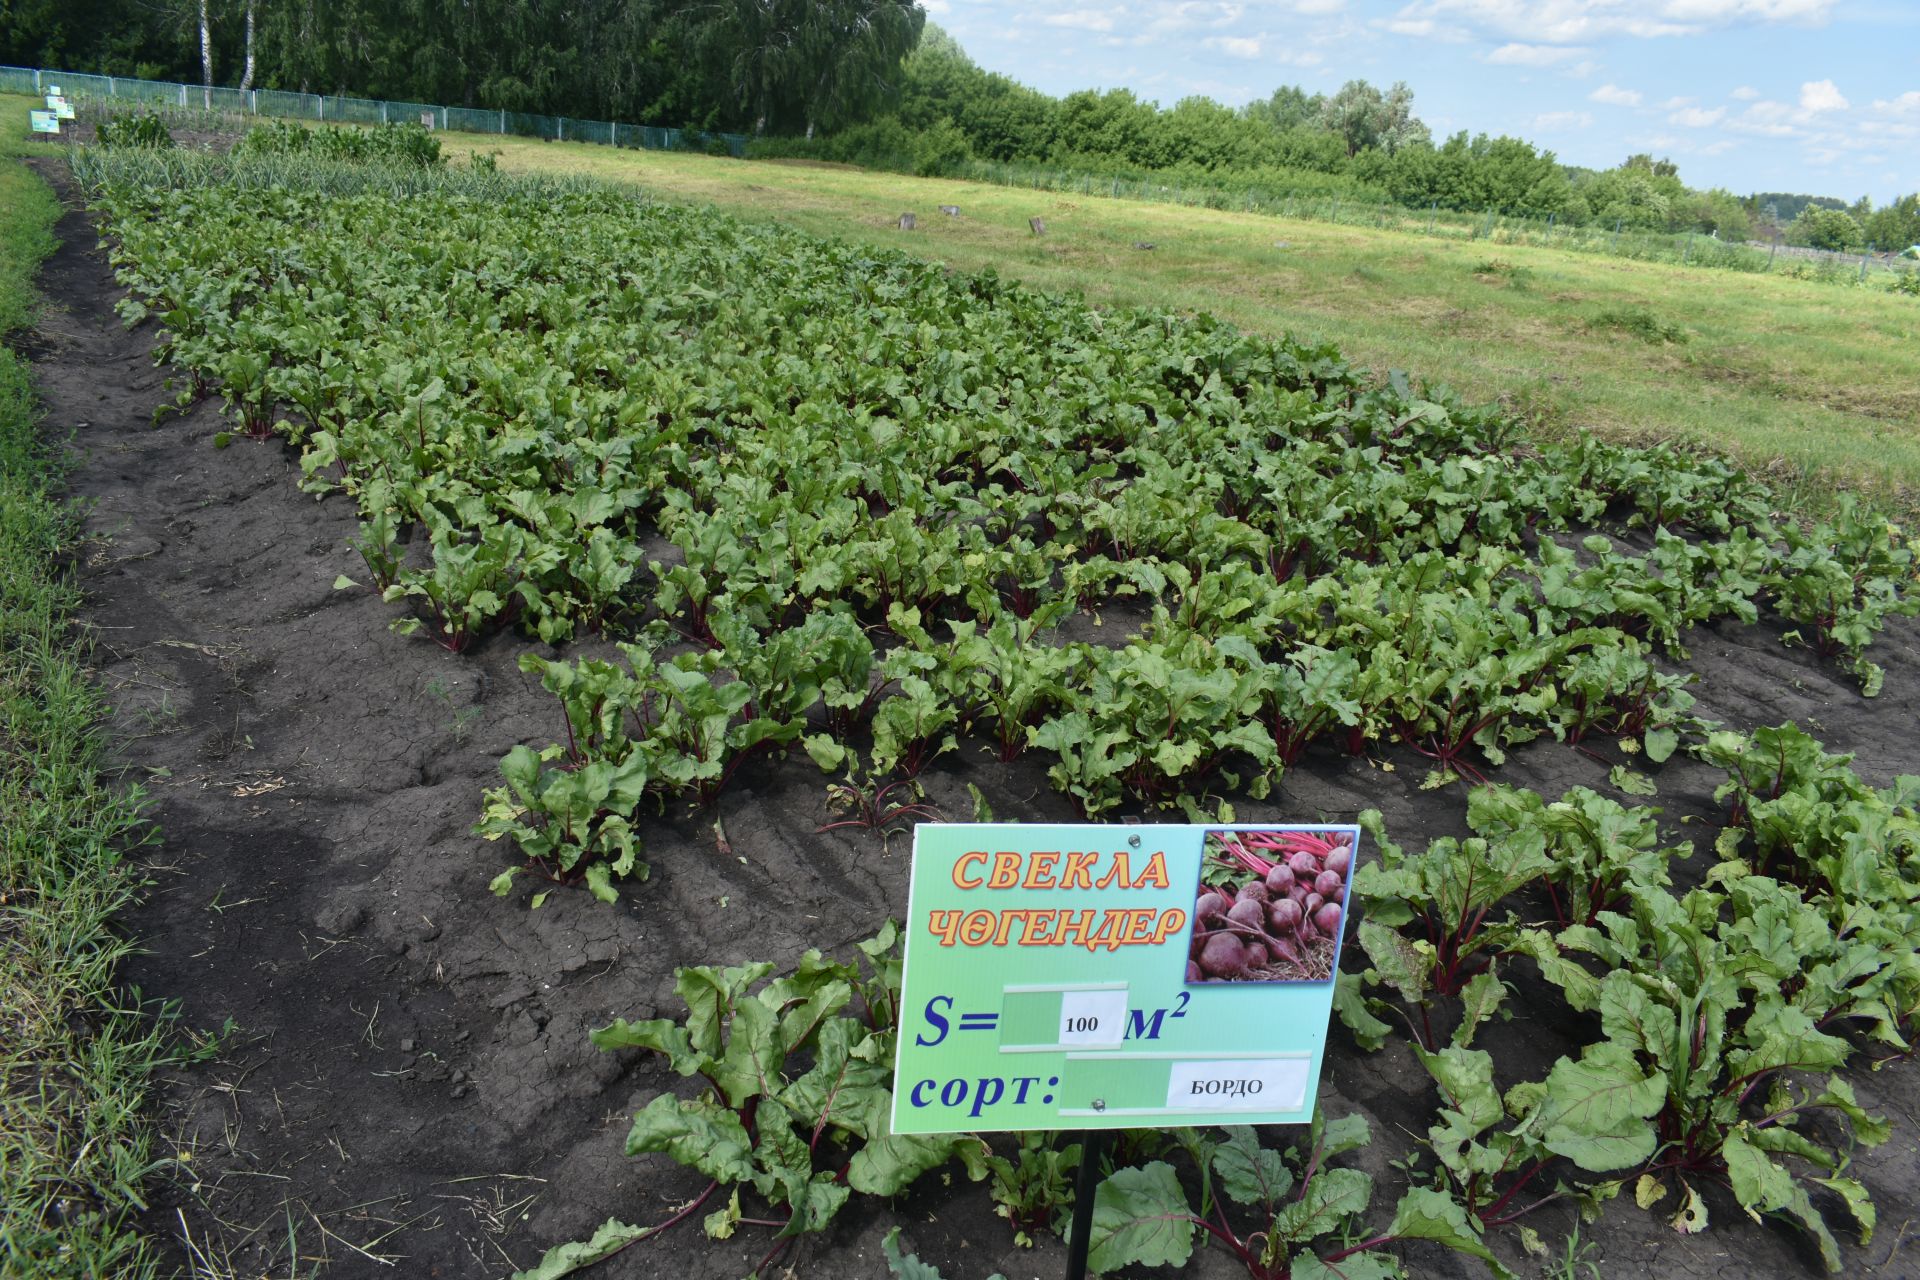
{"type": "Point", "coordinates": [1725, 1012]}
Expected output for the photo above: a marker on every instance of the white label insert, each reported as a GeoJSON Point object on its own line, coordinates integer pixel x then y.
{"type": "Point", "coordinates": [1093, 1019]}
{"type": "Point", "coordinates": [1239, 1084]}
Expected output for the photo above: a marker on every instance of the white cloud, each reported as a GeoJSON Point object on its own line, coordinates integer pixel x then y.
{"type": "Point", "coordinates": [936, 8]}
{"type": "Point", "coordinates": [1674, 104]}
{"type": "Point", "coordinates": [1571, 21]}
{"type": "Point", "coordinates": [1745, 93]}
{"type": "Point", "coordinates": [1236, 46]}
{"type": "Point", "coordinates": [1189, 15]}
{"type": "Point", "coordinates": [1906, 103]}
{"type": "Point", "coordinates": [1560, 121]}
{"type": "Point", "coordinates": [1767, 120]}
{"type": "Point", "coordinates": [1697, 117]}
{"type": "Point", "coordinates": [1821, 95]}
{"type": "Point", "coordinates": [1897, 129]}
{"type": "Point", "coordinates": [1614, 96]}
{"type": "Point", "coordinates": [1532, 55]}
{"type": "Point", "coordinates": [1081, 19]}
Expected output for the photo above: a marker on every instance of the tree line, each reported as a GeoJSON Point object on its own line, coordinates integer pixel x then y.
{"type": "Point", "coordinates": [778, 66]}
{"type": "Point", "coordinates": [1361, 142]}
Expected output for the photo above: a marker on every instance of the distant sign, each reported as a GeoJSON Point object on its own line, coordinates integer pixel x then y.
{"type": "Point", "coordinates": [1093, 977]}
{"type": "Point", "coordinates": [59, 106]}
{"type": "Point", "coordinates": [44, 121]}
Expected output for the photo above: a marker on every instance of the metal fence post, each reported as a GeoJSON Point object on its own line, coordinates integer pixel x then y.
{"type": "Point", "coordinates": [1433, 211]}
{"type": "Point", "coordinates": [1771, 252]}
{"type": "Point", "coordinates": [443, 119]}
{"type": "Point", "coordinates": [1863, 262]}
{"type": "Point", "coordinates": [383, 111]}
{"type": "Point", "coordinates": [503, 121]}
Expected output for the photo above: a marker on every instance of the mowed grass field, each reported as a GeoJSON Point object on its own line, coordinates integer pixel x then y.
{"type": "Point", "coordinates": [1815, 384]}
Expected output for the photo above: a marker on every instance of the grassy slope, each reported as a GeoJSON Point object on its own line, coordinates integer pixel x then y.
{"type": "Point", "coordinates": [74, 1061]}
{"type": "Point", "coordinates": [1794, 377]}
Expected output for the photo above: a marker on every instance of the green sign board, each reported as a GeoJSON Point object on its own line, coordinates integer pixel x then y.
{"type": "Point", "coordinates": [59, 106]}
{"type": "Point", "coordinates": [43, 121]}
{"type": "Point", "coordinates": [1108, 977]}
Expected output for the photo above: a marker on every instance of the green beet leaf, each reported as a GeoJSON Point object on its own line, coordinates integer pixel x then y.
{"type": "Point", "coordinates": [1140, 1218]}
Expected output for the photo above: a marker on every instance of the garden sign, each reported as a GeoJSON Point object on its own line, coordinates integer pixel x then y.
{"type": "Point", "coordinates": [1107, 977]}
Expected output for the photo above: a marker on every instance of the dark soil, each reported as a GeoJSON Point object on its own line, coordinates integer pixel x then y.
{"type": "Point", "coordinates": [407, 1088]}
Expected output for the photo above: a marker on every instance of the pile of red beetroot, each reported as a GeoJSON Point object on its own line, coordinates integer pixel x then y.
{"type": "Point", "coordinates": [1278, 919]}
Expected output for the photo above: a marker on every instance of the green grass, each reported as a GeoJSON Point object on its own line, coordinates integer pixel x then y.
{"type": "Point", "coordinates": [1813, 384]}
{"type": "Point", "coordinates": [75, 1059]}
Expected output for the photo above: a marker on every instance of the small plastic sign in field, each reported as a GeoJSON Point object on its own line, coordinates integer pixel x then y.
{"type": "Point", "coordinates": [59, 106]}
{"type": "Point", "coordinates": [1107, 977]}
{"type": "Point", "coordinates": [43, 121]}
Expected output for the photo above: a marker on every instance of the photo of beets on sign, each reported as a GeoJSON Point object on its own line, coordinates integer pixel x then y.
{"type": "Point", "coordinates": [1271, 906]}
{"type": "Point", "coordinates": [1095, 977]}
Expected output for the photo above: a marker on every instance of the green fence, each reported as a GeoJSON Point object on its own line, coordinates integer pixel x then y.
{"type": "Point", "coordinates": [310, 106]}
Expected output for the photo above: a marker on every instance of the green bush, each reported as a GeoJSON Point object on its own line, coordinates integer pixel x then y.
{"type": "Point", "coordinates": [1819, 228]}
{"type": "Point", "coordinates": [411, 144]}
{"type": "Point", "coordinates": [943, 148]}
{"type": "Point", "coordinates": [133, 129]}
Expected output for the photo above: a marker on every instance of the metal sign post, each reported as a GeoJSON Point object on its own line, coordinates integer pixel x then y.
{"type": "Point", "coordinates": [1086, 1183]}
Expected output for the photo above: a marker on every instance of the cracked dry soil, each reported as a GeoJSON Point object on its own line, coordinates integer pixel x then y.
{"type": "Point", "coordinates": [408, 1089]}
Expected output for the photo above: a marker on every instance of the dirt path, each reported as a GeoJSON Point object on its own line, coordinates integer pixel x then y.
{"type": "Point", "coordinates": [408, 1090]}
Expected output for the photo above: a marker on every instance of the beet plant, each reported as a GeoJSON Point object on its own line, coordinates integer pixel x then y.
{"type": "Point", "coordinates": [789, 1112]}
{"type": "Point", "coordinates": [1300, 1216]}
{"type": "Point", "coordinates": [1428, 920]}
{"type": "Point", "coordinates": [1701, 1074]}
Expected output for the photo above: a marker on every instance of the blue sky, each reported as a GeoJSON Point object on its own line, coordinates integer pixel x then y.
{"type": "Point", "coordinates": [1820, 96]}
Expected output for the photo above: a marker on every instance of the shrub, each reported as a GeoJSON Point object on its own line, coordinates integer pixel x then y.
{"type": "Point", "coordinates": [133, 129]}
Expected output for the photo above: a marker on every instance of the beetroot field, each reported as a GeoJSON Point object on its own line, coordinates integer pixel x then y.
{"type": "Point", "coordinates": [540, 615]}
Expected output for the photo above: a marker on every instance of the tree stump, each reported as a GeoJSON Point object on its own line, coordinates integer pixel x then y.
{"type": "Point", "coordinates": [906, 222]}
{"type": "Point", "coordinates": [1039, 226]}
